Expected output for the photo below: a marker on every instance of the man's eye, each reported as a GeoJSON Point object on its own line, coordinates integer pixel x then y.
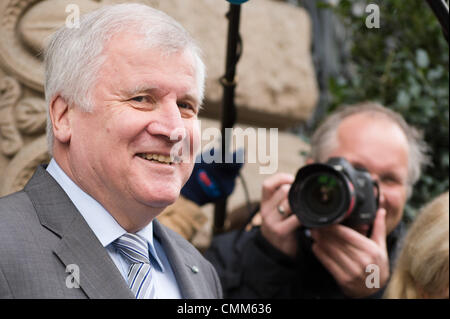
{"type": "Point", "coordinates": [390, 180]}
{"type": "Point", "coordinates": [187, 106]}
{"type": "Point", "coordinates": [139, 98]}
{"type": "Point", "coordinates": [143, 99]}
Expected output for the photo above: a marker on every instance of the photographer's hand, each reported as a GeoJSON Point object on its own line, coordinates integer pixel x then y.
{"type": "Point", "coordinates": [278, 223]}
{"type": "Point", "coordinates": [346, 254]}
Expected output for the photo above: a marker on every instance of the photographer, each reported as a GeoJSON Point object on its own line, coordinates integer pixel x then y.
{"type": "Point", "coordinates": [280, 259]}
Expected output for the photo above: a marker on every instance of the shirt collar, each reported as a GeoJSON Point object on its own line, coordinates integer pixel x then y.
{"type": "Point", "coordinates": [104, 226]}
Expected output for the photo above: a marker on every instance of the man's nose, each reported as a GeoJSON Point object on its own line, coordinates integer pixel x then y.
{"type": "Point", "coordinates": [380, 190]}
{"type": "Point", "coordinates": [167, 122]}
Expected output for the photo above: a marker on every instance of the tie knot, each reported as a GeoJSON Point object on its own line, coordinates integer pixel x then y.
{"type": "Point", "coordinates": [133, 247]}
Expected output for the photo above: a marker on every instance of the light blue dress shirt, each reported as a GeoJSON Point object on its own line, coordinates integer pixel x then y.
{"type": "Point", "coordinates": [107, 230]}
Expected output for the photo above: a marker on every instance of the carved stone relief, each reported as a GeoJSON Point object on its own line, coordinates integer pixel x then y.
{"type": "Point", "coordinates": [22, 107]}
{"type": "Point", "coordinates": [15, 58]}
{"type": "Point", "coordinates": [22, 135]}
{"type": "Point", "coordinates": [10, 93]}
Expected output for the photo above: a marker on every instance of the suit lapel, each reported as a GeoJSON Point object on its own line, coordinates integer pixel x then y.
{"type": "Point", "coordinates": [99, 276]}
{"type": "Point", "coordinates": [181, 263]}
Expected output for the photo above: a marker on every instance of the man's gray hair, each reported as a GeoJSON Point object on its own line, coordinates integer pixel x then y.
{"type": "Point", "coordinates": [324, 139]}
{"type": "Point", "coordinates": [74, 56]}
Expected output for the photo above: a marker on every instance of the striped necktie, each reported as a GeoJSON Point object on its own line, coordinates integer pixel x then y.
{"type": "Point", "coordinates": [135, 249]}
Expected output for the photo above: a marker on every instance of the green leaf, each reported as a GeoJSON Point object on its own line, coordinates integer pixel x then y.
{"type": "Point", "coordinates": [422, 59]}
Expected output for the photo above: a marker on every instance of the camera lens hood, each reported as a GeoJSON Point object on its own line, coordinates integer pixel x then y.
{"type": "Point", "coordinates": [321, 195]}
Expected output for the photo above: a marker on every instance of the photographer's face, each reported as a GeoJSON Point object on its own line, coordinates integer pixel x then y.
{"type": "Point", "coordinates": [381, 147]}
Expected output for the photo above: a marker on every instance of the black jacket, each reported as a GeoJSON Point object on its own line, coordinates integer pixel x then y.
{"type": "Point", "coordinates": [250, 267]}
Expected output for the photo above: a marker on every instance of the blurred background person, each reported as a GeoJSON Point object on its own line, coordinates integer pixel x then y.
{"type": "Point", "coordinates": [423, 265]}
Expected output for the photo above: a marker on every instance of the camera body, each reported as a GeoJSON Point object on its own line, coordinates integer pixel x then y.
{"type": "Point", "coordinates": [334, 192]}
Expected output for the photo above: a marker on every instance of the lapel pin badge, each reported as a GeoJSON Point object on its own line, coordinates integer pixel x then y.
{"type": "Point", "coordinates": [194, 269]}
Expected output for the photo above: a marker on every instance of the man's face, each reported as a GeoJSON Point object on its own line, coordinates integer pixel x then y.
{"type": "Point", "coordinates": [381, 147]}
{"type": "Point", "coordinates": [141, 98]}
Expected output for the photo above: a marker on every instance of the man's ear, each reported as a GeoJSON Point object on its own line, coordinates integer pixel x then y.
{"type": "Point", "coordinates": [59, 114]}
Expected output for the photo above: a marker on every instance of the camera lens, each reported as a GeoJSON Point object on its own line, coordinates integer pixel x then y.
{"type": "Point", "coordinates": [323, 194]}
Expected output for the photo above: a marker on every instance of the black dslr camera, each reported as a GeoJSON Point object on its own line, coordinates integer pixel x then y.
{"type": "Point", "coordinates": [334, 192]}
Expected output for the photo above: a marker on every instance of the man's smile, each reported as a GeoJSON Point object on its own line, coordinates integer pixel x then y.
{"type": "Point", "coordinates": [157, 158]}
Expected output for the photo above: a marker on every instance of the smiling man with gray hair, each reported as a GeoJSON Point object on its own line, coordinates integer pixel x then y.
{"type": "Point", "coordinates": [117, 88]}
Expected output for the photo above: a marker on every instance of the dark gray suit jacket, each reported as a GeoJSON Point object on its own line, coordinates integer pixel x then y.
{"type": "Point", "coordinates": [41, 233]}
